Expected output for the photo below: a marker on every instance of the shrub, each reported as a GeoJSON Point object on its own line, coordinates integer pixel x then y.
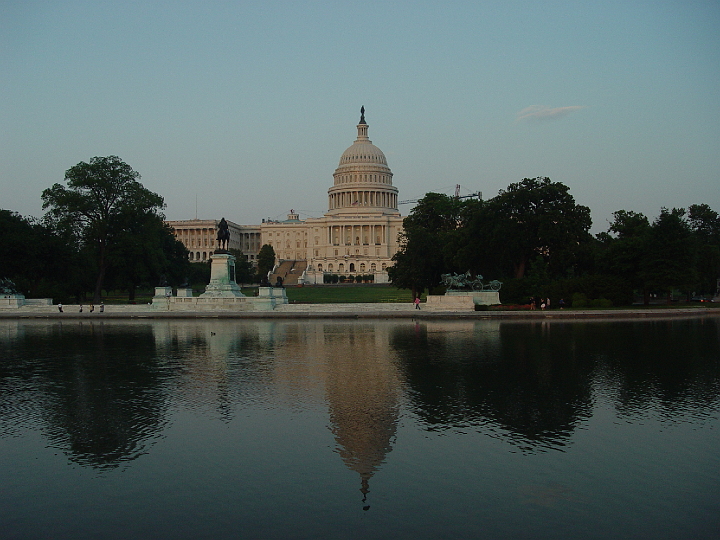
{"type": "Point", "coordinates": [579, 300]}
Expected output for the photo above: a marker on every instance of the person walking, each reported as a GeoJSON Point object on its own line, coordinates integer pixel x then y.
{"type": "Point", "coordinates": [60, 308]}
{"type": "Point", "coordinates": [80, 308]}
{"type": "Point", "coordinates": [417, 302]}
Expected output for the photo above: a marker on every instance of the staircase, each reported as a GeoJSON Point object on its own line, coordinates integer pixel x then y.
{"type": "Point", "coordinates": [289, 271]}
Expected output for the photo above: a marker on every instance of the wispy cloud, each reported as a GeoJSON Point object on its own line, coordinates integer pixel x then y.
{"type": "Point", "coordinates": [542, 113]}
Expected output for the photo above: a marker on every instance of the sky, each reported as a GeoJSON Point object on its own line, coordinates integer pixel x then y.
{"type": "Point", "coordinates": [241, 109]}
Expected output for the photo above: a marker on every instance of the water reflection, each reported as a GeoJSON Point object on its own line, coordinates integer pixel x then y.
{"type": "Point", "coordinates": [102, 391]}
{"type": "Point", "coordinates": [533, 383]}
{"type": "Point", "coordinates": [523, 383]}
{"type": "Point", "coordinates": [347, 367]}
{"type": "Point", "coordinates": [93, 388]}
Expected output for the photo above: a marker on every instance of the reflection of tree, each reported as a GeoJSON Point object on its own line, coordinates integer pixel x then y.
{"type": "Point", "coordinates": [536, 380]}
{"type": "Point", "coordinates": [99, 385]}
{"type": "Point", "coordinates": [524, 379]}
{"type": "Point", "coordinates": [671, 364]}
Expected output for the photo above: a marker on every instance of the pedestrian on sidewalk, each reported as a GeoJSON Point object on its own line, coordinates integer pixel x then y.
{"type": "Point", "coordinates": [417, 302]}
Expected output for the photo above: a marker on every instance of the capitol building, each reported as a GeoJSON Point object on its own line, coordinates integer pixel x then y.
{"type": "Point", "coordinates": [358, 235]}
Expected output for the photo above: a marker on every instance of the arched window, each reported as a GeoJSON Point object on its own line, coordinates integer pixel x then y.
{"type": "Point", "coordinates": [383, 267]}
{"type": "Point", "coordinates": [373, 267]}
{"type": "Point", "coordinates": [341, 267]}
{"type": "Point", "coordinates": [320, 267]}
{"type": "Point", "coordinates": [330, 267]}
{"type": "Point", "coordinates": [362, 267]}
{"type": "Point", "coordinates": [352, 267]}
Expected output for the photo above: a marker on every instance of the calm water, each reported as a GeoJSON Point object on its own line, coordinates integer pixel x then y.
{"type": "Point", "coordinates": [391, 429]}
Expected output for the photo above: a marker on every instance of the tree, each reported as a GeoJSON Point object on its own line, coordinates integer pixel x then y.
{"type": "Point", "coordinates": [669, 260]}
{"type": "Point", "coordinates": [705, 225]}
{"type": "Point", "coordinates": [36, 259]}
{"type": "Point", "coordinates": [624, 249]}
{"type": "Point", "coordinates": [243, 267]}
{"type": "Point", "coordinates": [265, 261]}
{"type": "Point", "coordinates": [536, 217]}
{"type": "Point", "coordinates": [95, 205]}
{"type": "Point", "coordinates": [146, 253]}
{"type": "Point", "coordinates": [426, 252]}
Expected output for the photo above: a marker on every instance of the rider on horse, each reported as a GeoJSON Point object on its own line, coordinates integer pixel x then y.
{"type": "Point", "coordinates": [223, 235]}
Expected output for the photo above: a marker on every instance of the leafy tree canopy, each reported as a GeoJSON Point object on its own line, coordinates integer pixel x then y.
{"type": "Point", "coordinates": [99, 204]}
{"type": "Point", "coordinates": [265, 261]}
{"type": "Point", "coordinates": [539, 217]}
{"type": "Point", "coordinates": [426, 243]}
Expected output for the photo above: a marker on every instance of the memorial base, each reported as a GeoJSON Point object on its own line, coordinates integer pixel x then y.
{"type": "Point", "coordinates": [462, 300]}
{"type": "Point", "coordinates": [222, 293]}
{"type": "Point", "coordinates": [222, 278]}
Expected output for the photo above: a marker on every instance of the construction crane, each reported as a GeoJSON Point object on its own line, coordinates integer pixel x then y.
{"type": "Point", "coordinates": [457, 195]}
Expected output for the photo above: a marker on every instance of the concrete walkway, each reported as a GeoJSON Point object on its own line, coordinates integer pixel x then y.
{"type": "Point", "coordinates": [350, 311]}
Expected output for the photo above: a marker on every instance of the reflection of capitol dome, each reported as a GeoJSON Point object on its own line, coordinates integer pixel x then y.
{"type": "Point", "coordinates": [363, 179]}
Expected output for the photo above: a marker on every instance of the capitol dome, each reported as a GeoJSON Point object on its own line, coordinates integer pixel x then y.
{"type": "Point", "coordinates": [363, 179]}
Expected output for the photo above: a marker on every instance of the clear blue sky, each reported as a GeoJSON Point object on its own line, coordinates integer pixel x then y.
{"type": "Point", "coordinates": [246, 107]}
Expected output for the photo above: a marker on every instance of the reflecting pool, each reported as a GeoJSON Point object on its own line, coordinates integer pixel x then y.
{"type": "Point", "coordinates": [359, 429]}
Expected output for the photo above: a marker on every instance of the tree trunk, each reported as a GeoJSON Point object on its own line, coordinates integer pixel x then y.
{"type": "Point", "coordinates": [520, 269]}
{"type": "Point", "coordinates": [97, 296]}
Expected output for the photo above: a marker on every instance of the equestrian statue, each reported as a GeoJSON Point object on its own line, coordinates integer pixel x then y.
{"type": "Point", "coordinates": [223, 236]}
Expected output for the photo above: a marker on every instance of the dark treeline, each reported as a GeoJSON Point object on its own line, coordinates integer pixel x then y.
{"type": "Point", "coordinates": [535, 238]}
{"type": "Point", "coordinates": [102, 231]}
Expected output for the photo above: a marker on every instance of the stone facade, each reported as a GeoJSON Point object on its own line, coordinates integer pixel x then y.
{"type": "Point", "coordinates": [358, 235]}
{"type": "Point", "coordinates": [200, 237]}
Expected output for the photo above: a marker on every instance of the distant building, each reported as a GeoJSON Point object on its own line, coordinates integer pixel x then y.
{"type": "Point", "coordinates": [200, 237]}
{"type": "Point", "coordinates": [357, 235]}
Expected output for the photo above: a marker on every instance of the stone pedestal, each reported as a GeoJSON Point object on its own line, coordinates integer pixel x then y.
{"type": "Point", "coordinates": [163, 292]}
{"type": "Point", "coordinates": [462, 300]}
{"type": "Point", "coordinates": [222, 278]}
{"type": "Point", "coordinates": [184, 292]}
{"type": "Point", "coordinates": [480, 298]}
{"type": "Point", "coordinates": [12, 300]}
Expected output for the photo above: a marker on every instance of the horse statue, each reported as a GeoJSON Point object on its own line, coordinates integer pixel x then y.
{"type": "Point", "coordinates": [456, 282]}
{"type": "Point", "coordinates": [223, 235]}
